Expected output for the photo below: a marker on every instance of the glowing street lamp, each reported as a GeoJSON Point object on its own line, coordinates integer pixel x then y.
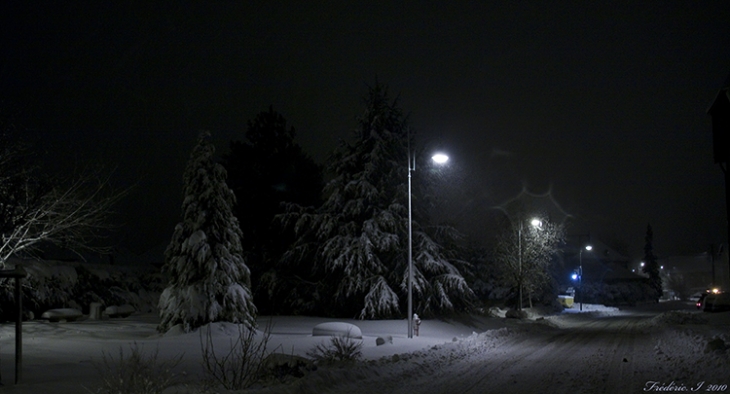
{"type": "Point", "coordinates": [537, 224]}
{"type": "Point", "coordinates": [438, 158]}
{"type": "Point", "coordinates": [580, 277]}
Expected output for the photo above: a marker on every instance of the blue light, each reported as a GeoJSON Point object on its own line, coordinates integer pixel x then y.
{"type": "Point", "coordinates": [574, 276]}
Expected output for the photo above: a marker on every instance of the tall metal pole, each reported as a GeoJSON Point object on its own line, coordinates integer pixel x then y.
{"type": "Point", "coordinates": [410, 245]}
{"type": "Point", "coordinates": [727, 209]}
{"type": "Point", "coordinates": [580, 278]}
{"type": "Point", "coordinates": [712, 262]}
{"type": "Point", "coordinates": [410, 261]}
{"type": "Point", "coordinates": [519, 253]}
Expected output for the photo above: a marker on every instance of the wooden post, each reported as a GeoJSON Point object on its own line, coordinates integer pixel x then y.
{"type": "Point", "coordinates": [18, 331]}
{"type": "Point", "coordinates": [18, 273]}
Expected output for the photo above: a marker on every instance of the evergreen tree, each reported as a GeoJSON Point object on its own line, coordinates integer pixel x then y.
{"type": "Point", "coordinates": [355, 242]}
{"type": "Point", "coordinates": [651, 265]}
{"type": "Point", "coordinates": [209, 281]}
{"type": "Point", "coordinates": [264, 171]}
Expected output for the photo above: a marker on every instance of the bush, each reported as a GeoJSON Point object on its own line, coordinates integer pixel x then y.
{"type": "Point", "coordinates": [52, 284]}
{"type": "Point", "coordinates": [619, 293]}
{"type": "Point", "coordinates": [340, 349]}
{"type": "Point", "coordinates": [515, 314]}
{"type": "Point", "coordinates": [242, 366]}
{"type": "Point", "coordinates": [137, 373]}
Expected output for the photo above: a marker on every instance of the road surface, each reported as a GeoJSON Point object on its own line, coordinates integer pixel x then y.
{"type": "Point", "coordinates": [583, 354]}
{"type": "Point", "coordinates": [596, 355]}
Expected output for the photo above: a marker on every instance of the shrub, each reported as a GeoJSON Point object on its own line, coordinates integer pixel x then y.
{"type": "Point", "coordinates": [340, 349]}
{"type": "Point", "coordinates": [242, 366]}
{"type": "Point", "coordinates": [54, 285]}
{"type": "Point", "coordinates": [136, 373]}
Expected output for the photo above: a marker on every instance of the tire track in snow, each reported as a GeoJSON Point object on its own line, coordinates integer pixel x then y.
{"type": "Point", "coordinates": [586, 355]}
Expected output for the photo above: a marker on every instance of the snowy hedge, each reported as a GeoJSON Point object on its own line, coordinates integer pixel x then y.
{"type": "Point", "coordinates": [54, 284]}
{"type": "Point", "coordinates": [619, 293]}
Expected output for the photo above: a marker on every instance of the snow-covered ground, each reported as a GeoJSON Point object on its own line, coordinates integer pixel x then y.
{"type": "Point", "coordinates": [681, 346]}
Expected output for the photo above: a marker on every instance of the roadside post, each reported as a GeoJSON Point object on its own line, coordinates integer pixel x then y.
{"type": "Point", "coordinates": [18, 273]}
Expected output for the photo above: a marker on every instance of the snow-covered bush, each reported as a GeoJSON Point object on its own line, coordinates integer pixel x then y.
{"type": "Point", "coordinates": [55, 284]}
{"type": "Point", "coordinates": [620, 293]}
{"type": "Point", "coordinates": [47, 285]}
{"type": "Point", "coordinates": [341, 348]}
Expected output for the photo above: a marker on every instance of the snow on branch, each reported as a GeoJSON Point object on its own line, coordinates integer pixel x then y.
{"type": "Point", "coordinates": [381, 300]}
{"type": "Point", "coordinates": [70, 213]}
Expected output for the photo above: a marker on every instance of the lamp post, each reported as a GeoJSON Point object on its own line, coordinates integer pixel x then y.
{"type": "Point", "coordinates": [438, 158]}
{"type": "Point", "coordinates": [580, 278]}
{"type": "Point", "coordinates": [537, 224]}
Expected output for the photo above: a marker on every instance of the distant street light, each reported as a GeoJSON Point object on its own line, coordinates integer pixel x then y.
{"type": "Point", "coordinates": [438, 158]}
{"type": "Point", "coordinates": [580, 277]}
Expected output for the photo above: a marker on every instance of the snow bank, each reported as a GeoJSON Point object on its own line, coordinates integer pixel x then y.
{"type": "Point", "coordinates": [587, 308]}
{"type": "Point", "coordinates": [677, 317]}
{"type": "Point", "coordinates": [341, 329]}
{"type": "Point", "coordinates": [58, 356]}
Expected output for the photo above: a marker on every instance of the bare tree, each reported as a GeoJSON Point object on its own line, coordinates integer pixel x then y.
{"type": "Point", "coordinates": [524, 251]}
{"type": "Point", "coordinates": [35, 210]}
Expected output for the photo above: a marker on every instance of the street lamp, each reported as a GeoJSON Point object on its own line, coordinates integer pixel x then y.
{"type": "Point", "coordinates": [537, 224]}
{"type": "Point", "coordinates": [580, 278]}
{"type": "Point", "coordinates": [438, 158]}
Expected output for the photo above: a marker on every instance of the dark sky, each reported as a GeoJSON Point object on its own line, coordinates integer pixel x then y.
{"type": "Point", "coordinates": [604, 103]}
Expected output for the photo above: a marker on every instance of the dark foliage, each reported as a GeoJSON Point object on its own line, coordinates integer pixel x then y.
{"type": "Point", "coordinates": [619, 293]}
{"type": "Point", "coordinates": [265, 171]}
{"type": "Point", "coordinates": [50, 286]}
{"type": "Point", "coordinates": [351, 252]}
{"type": "Point", "coordinates": [651, 265]}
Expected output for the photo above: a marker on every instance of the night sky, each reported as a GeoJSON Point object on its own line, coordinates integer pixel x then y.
{"type": "Point", "coordinates": [604, 103]}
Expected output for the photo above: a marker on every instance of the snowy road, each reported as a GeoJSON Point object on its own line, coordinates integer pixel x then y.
{"type": "Point", "coordinates": [601, 355]}
{"type": "Point", "coordinates": [601, 351]}
{"type": "Point", "coordinates": [577, 354]}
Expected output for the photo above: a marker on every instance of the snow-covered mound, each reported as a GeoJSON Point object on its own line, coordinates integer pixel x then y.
{"type": "Point", "coordinates": [678, 317]}
{"type": "Point", "coordinates": [67, 314]}
{"type": "Point", "coordinates": [590, 308]}
{"type": "Point", "coordinates": [340, 329]}
{"type": "Point", "coordinates": [680, 345]}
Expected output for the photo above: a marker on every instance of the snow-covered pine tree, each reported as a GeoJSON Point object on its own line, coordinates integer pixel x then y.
{"type": "Point", "coordinates": [357, 240]}
{"type": "Point", "coordinates": [209, 280]}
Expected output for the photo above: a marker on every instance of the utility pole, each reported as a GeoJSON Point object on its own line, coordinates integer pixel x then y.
{"type": "Point", "coordinates": [719, 111]}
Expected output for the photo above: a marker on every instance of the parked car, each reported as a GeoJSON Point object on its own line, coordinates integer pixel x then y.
{"type": "Point", "coordinates": [701, 298]}
{"type": "Point", "coordinates": [716, 302]}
